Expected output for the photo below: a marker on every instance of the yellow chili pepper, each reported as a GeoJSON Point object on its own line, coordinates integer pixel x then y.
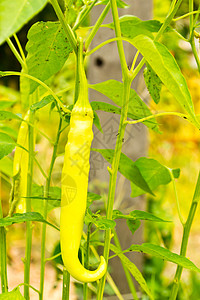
{"type": "Point", "coordinates": [20, 166]}
{"type": "Point", "coordinates": [75, 183]}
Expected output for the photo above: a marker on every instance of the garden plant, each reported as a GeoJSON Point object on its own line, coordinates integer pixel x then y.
{"type": "Point", "coordinates": [84, 230]}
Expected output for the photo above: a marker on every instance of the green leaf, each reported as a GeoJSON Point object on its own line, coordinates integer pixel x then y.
{"type": "Point", "coordinates": [137, 215]}
{"type": "Point", "coordinates": [145, 174]}
{"type": "Point", "coordinates": [14, 14]}
{"type": "Point", "coordinates": [6, 144]}
{"type": "Point", "coordinates": [166, 67]}
{"type": "Point", "coordinates": [6, 166]}
{"type": "Point", "coordinates": [38, 198]}
{"type": "Point", "coordinates": [131, 26]}
{"type": "Point", "coordinates": [97, 122]}
{"type": "Point", "coordinates": [104, 224]}
{"type": "Point", "coordinates": [127, 168]}
{"type": "Point", "coordinates": [153, 83]}
{"type": "Point", "coordinates": [120, 3]}
{"type": "Point", "coordinates": [45, 101]}
{"type": "Point", "coordinates": [54, 199]}
{"type": "Point", "coordinates": [176, 173]}
{"type": "Point", "coordinates": [137, 108]}
{"type": "Point", "coordinates": [48, 50]}
{"type": "Point", "coordinates": [165, 254]}
{"type": "Point", "coordinates": [5, 104]}
{"type": "Point", "coordinates": [153, 173]}
{"type": "Point", "coordinates": [13, 295]}
{"type": "Point", "coordinates": [99, 221]}
{"type": "Point", "coordinates": [12, 132]}
{"type": "Point", "coordinates": [20, 218]}
{"type": "Point", "coordinates": [7, 115]}
{"type": "Point", "coordinates": [91, 197]}
{"type": "Point", "coordinates": [133, 270]}
{"type": "Point", "coordinates": [133, 225]}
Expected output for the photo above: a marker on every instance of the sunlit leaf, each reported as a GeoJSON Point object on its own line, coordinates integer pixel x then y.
{"type": "Point", "coordinates": [14, 14]}
{"type": "Point", "coordinates": [6, 144]}
{"type": "Point", "coordinates": [48, 50]}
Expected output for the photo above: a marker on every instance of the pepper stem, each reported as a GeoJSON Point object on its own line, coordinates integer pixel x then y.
{"type": "Point", "coordinates": [83, 100]}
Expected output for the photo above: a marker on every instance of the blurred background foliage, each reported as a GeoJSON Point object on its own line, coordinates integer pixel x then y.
{"type": "Point", "coordinates": [176, 147]}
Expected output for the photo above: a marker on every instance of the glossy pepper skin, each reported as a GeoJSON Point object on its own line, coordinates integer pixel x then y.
{"type": "Point", "coordinates": [75, 183]}
{"type": "Point", "coordinates": [20, 166]}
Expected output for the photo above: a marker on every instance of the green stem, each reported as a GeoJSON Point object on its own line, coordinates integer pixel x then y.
{"type": "Point", "coordinates": [114, 287]}
{"type": "Point", "coordinates": [28, 209]}
{"type": "Point", "coordinates": [66, 285]}
{"type": "Point", "coordinates": [113, 176]}
{"type": "Point", "coordinates": [84, 15]}
{"type": "Point", "coordinates": [83, 85]}
{"type": "Point", "coordinates": [192, 38]}
{"type": "Point", "coordinates": [69, 33]}
{"type": "Point", "coordinates": [46, 195]}
{"type": "Point", "coordinates": [4, 280]}
{"type": "Point", "coordinates": [194, 50]}
{"type": "Point", "coordinates": [13, 73]}
{"type": "Point", "coordinates": [85, 286]}
{"type": "Point", "coordinates": [76, 86]}
{"type": "Point", "coordinates": [20, 49]}
{"type": "Point", "coordinates": [197, 15]}
{"type": "Point", "coordinates": [127, 274]}
{"type": "Point", "coordinates": [117, 27]}
{"type": "Point", "coordinates": [186, 233]}
{"type": "Point", "coordinates": [191, 8]}
{"type": "Point", "coordinates": [172, 11]}
{"type": "Point", "coordinates": [97, 25]}
{"type": "Point", "coordinates": [16, 53]}
{"type": "Point", "coordinates": [105, 43]}
{"type": "Point", "coordinates": [134, 61]}
{"type": "Point", "coordinates": [170, 113]}
{"type": "Point", "coordinates": [3, 256]}
{"type": "Point", "coordinates": [186, 15]}
{"type": "Point", "coordinates": [34, 289]}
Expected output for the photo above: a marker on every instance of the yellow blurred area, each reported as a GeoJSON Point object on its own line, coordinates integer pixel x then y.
{"type": "Point", "coordinates": [179, 147]}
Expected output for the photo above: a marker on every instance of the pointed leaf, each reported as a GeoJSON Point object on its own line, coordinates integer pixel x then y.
{"type": "Point", "coordinates": [133, 225]}
{"type": "Point", "coordinates": [137, 215]}
{"type": "Point", "coordinates": [8, 115]}
{"type": "Point", "coordinates": [45, 101]}
{"type": "Point", "coordinates": [165, 254]}
{"type": "Point", "coordinates": [166, 67]}
{"type": "Point", "coordinates": [48, 50]}
{"type": "Point", "coordinates": [133, 270]}
{"type": "Point", "coordinates": [107, 107]}
{"type": "Point", "coordinates": [137, 108]}
{"type": "Point", "coordinates": [20, 218]}
{"type": "Point", "coordinates": [91, 197]}
{"type": "Point", "coordinates": [131, 26]}
{"type": "Point", "coordinates": [6, 104]}
{"type": "Point", "coordinates": [97, 122]}
{"type": "Point", "coordinates": [14, 14]}
{"type": "Point", "coordinates": [153, 173]}
{"type": "Point", "coordinates": [6, 144]}
{"type": "Point", "coordinates": [128, 168]}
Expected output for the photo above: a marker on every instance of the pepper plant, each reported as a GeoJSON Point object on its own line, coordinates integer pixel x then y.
{"type": "Point", "coordinates": [50, 45]}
